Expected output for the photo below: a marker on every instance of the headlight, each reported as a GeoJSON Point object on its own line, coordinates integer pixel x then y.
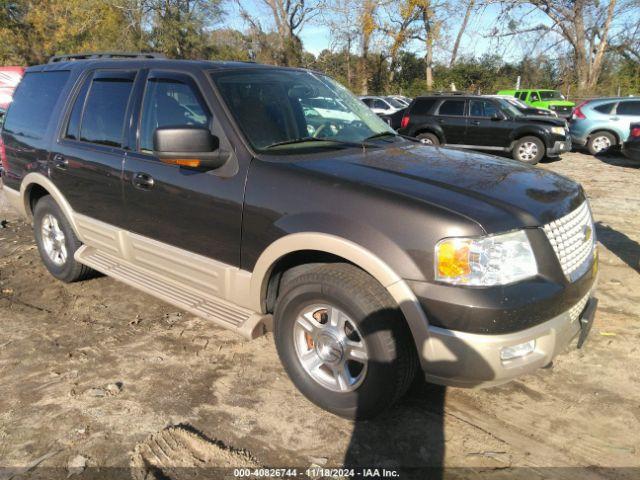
{"type": "Point", "coordinates": [558, 130]}
{"type": "Point", "coordinates": [485, 261]}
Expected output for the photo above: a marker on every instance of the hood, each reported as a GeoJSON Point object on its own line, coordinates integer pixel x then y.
{"type": "Point", "coordinates": [541, 119]}
{"type": "Point", "coordinates": [498, 194]}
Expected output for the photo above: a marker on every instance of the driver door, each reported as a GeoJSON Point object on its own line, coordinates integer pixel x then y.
{"type": "Point", "coordinates": [190, 209]}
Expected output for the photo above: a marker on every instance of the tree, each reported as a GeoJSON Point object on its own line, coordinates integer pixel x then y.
{"type": "Point", "coordinates": [288, 17]}
{"type": "Point", "coordinates": [585, 25]}
{"type": "Point", "coordinates": [463, 26]}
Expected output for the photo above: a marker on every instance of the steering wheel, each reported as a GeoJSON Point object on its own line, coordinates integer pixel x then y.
{"type": "Point", "coordinates": [320, 129]}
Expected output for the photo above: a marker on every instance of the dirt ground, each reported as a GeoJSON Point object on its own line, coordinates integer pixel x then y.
{"type": "Point", "coordinates": [95, 374]}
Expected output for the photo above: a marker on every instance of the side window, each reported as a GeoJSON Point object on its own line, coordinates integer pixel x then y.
{"type": "Point", "coordinates": [605, 108]}
{"type": "Point", "coordinates": [535, 97]}
{"type": "Point", "coordinates": [629, 108]}
{"type": "Point", "coordinates": [173, 101]}
{"type": "Point", "coordinates": [482, 108]}
{"type": "Point", "coordinates": [34, 102]}
{"type": "Point", "coordinates": [452, 107]}
{"type": "Point", "coordinates": [422, 106]}
{"type": "Point", "coordinates": [367, 102]}
{"type": "Point", "coordinates": [377, 103]}
{"type": "Point", "coordinates": [73, 127]}
{"type": "Point", "coordinates": [523, 96]}
{"type": "Point", "coordinates": [105, 108]}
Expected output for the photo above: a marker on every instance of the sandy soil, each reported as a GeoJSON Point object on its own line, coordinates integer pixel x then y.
{"type": "Point", "coordinates": [95, 374]}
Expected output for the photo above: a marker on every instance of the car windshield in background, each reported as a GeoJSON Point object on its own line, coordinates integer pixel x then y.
{"type": "Point", "coordinates": [509, 108]}
{"type": "Point", "coordinates": [551, 95]}
{"type": "Point", "coordinates": [285, 110]}
{"type": "Point", "coordinates": [394, 103]}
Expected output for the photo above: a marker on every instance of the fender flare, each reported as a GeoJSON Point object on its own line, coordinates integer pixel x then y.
{"type": "Point", "coordinates": [352, 252]}
{"type": "Point", "coordinates": [35, 178]}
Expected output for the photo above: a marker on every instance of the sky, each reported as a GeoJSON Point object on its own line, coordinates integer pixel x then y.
{"type": "Point", "coordinates": [476, 41]}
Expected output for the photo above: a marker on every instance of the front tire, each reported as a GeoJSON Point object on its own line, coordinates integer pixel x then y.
{"type": "Point", "coordinates": [600, 142]}
{"type": "Point", "coordinates": [57, 242]}
{"type": "Point", "coordinates": [343, 341]}
{"type": "Point", "coordinates": [528, 150]}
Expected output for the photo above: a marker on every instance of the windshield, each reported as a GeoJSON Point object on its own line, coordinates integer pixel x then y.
{"type": "Point", "coordinates": [284, 110]}
{"type": "Point", "coordinates": [516, 102]}
{"type": "Point", "coordinates": [509, 108]}
{"type": "Point", "coordinates": [551, 95]}
{"type": "Point", "coordinates": [394, 103]}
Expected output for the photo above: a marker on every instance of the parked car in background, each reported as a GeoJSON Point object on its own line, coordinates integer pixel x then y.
{"type": "Point", "coordinates": [382, 105]}
{"type": "Point", "coordinates": [2, 113]}
{"type": "Point", "coordinates": [481, 123]}
{"type": "Point", "coordinates": [603, 123]}
{"type": "Point", "coordinates": [539, 98]}
{"type": "Point", "coordinates": [369, 255]}
{"type": "Point", "coordinates": [402, 99]}
{"type": "Point", "coordinates": [394, 120]}
{"type": "Point", "coordinates": [524, 108]}
{"type": "Point", "coordinates": [9, 79]}
{"type": "Point", "coordinates": [631, 148]}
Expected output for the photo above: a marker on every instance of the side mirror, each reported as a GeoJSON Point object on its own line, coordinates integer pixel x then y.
{"type": "Point", "coordinates": [498, 116]}
{"type": "Point", "coordinates": [191, 147]}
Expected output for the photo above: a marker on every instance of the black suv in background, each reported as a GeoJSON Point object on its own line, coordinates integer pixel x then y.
{"type": "Point", "coordinates": [265, 198]}
{"type": "Point", "coordinates": [481, 123]}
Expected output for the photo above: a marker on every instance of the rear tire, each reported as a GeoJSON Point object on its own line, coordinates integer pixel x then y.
{"type": "Point", "coordinates": [600, 142]}
{"type": "Point", "coordinates": [336, 321]}
{"type": "Point", "coordinates": [428, 138]}
{"type": "Point", "coordinates": [57, 242]}
{"type": "Point", "coordinates": [528, 150]}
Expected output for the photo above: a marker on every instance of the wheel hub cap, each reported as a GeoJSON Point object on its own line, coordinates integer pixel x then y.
{"type": "Point", "coordinates": [53, 240]}
{"type": "Point", "coordinates": [330, 347]}
{"type": "Point", "coordinates": [528, 151]}
{"type": "Point", "coordinates": [601, 143]}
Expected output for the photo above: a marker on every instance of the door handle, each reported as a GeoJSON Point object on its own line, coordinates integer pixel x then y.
{"type": "Point", "coordinates": [60, 162]}
{"type": "Point", "coordinates": [142, 181]}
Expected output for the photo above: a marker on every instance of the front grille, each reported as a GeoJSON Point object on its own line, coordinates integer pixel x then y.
{"type": "Point", "coordinates": [576, 310]}
{"type": "Point", "coordinates": [573, 239]}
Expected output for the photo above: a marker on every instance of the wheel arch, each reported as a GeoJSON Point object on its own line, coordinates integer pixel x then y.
{"type": "Point", "coordinates": [434, 130]}
{"type": "Point", "coordinates": [607, 130]}
{"type": "Point", "coordinates": [34, 186]}
{"type": "Point", "coordinates": [298, 249]}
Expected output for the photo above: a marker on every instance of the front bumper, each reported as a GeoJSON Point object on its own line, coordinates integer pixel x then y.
{"type": "Point", "coordinates": [470, 360]}
{"type": "Point", "coordinates": [559, 147]}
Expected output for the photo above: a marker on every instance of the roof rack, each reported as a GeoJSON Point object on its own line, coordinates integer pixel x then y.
{"type": "Point", "coordinates": [98, 55]}
{"type": "Point", "coordinates": [450, 92]}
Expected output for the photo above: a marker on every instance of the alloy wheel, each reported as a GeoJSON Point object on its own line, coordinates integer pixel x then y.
{"type": "Point", "coordinates": [53, 240]}
{"type": "Point", "coordinates": [330, 347]}
{"type": "Point", "coordinates": [527, 151]}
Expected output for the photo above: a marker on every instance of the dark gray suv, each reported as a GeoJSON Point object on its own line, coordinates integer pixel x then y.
{"type": "Point", "coordinates": [214, 186]}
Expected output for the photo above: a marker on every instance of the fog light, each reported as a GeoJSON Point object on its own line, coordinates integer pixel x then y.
{"type": "Point", "coordinates": [517, 351]}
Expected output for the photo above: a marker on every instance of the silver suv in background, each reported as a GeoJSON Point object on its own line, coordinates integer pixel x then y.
{"type": "Point", "coordinates": [603, 123]}
{"type": "Point", "coordinates": [383, 105]}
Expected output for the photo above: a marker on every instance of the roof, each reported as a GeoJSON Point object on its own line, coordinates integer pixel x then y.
{"type": "Point", "coordinates": [151, 63]}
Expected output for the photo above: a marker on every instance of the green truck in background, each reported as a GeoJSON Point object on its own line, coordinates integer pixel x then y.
{"type": "Point", "coordinates": [540, 98]}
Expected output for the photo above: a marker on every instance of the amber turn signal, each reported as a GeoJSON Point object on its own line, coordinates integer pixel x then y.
{"type": "Point", "coordinates": [453, 258]}
{"type": "Point", "coordinates": [182, 162]}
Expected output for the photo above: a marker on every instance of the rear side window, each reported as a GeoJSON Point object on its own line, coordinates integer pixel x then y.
{"type": "Point", "coordinates": [629, 108]}
{"type": "Point", "coordinates": [171, 102]}
{"type": "Point", "coordinates": [34, 102]}
{"type": "Point", "coordinates": [605, 107]}
{"type": "Point", "coordinates": [452, 107]}
{"type": "Point", "coordinates": [422, 106]}
{"type": "Point", "coordinates": [105, 108]}
{"type": "Point", "coordinates": [73, 127]}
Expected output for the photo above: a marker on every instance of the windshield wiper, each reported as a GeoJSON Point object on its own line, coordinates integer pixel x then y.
{"type": "Point", "coordinates": [380, 135]}
{"type": "Point", "coordinates": [312, 139]}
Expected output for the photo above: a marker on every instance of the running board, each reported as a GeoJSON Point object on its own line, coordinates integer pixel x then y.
{"type": "Point", "coordinates": [225, 314]}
